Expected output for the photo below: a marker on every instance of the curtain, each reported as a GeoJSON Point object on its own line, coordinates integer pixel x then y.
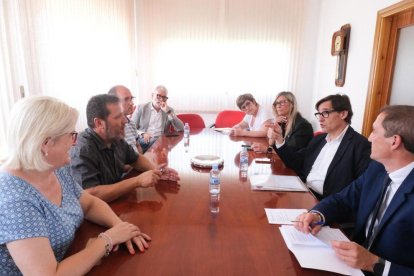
{"type": "Point", "coordinates": [208, 52]}
{"type": "Point", "coordinates": [73, 50]}
{"type": "Point", "coordinates": [12, 78]}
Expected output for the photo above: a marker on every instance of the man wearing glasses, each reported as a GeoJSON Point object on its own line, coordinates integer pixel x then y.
{"type": "Point", "coordinates": [155, 118]}
{"type": "Point", "coordinates": [331, 160]}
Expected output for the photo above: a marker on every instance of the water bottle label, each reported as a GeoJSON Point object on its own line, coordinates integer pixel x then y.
{"type": "Point", "coordinates": [214, 181]}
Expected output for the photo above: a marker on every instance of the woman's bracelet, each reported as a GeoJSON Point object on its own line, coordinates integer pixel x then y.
{"type": "Point", "coordinates": [108, 243]}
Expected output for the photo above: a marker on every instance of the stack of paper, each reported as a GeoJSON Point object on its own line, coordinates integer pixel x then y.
{"type": "Point", "coordinates": [283, 216]}
{"type": "Point", "coordinates": [277, 183]}
{"type": "Point", "coordinates": [306, 246]}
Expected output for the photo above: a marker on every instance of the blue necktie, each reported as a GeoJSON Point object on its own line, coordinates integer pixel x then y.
{"type": "Point", "coordinates": [387, 181]}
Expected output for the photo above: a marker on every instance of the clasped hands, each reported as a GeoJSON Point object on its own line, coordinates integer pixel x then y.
{"type": "Point", "coordinates": [351, 253]}
{"type": "Point", "coordinates": [128, 233]}
{"type": "Point", "coordinates": [274, 133]}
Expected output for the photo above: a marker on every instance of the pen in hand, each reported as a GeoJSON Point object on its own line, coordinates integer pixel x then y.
{"type": "Point", "coordinates": [312, 224]}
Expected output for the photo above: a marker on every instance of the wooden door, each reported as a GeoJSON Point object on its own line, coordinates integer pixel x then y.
{"type": "Point", "coordinates": [389, 23]}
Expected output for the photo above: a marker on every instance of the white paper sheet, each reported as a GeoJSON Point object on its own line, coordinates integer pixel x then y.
{"type": "Point", "coordinates": [277, 183]}
{"type": "Point", "coordinates": [305, 252]}
{"type": "Point", "coordinates": [282, 216]}
{"type": "Point", "coordinates": [224, 130]}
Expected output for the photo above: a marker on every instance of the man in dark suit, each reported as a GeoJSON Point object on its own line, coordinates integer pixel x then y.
{"type": "Point", "coordinates": [333, 159]}
{"type": "Point", "coordinates": [384, 225]}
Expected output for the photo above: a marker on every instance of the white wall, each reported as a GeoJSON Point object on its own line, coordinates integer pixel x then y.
{"type": "Point", "coordinates": [361, 15]}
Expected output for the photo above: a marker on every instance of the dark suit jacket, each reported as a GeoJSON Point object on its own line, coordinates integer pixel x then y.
{"type": "Point", "coordinates": [349, 162]}
{"type": "Point", "coordinates": [394, 239]}
{"type": "Point", "coordinates": [300, 135]}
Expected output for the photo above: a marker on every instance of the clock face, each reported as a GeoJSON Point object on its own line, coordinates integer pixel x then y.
{"type": "Point", "coordinates": [338, 43]}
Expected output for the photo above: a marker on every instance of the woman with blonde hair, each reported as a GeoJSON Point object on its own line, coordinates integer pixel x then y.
{"type": "Point", "coordinates": [297, 131]}
{"type": "Point", "coordinates": [41, 206]}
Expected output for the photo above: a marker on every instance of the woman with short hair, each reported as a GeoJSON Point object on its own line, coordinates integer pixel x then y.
{"type": "Point", "coordinates": [255, 120]}
{"type": "Point", "coordinates": [41, 206]}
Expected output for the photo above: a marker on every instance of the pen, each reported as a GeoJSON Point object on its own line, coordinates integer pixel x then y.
{"type": "Point", "coordinates": [312, 224]}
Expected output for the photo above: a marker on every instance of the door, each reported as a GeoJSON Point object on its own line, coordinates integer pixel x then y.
{"type": "Point", "coordinates": [391, 60]}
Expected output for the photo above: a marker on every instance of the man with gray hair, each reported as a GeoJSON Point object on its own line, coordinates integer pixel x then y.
{"type": "Point", "coordinates": [155, 118]}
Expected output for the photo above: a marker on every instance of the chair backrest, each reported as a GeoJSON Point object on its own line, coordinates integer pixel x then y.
{"type": "Point", "coordinates": [228, 118]}
{"type": "Point", "coordinates": [318, 132]}
{"type": "Point", "coordinates": [194, 120]}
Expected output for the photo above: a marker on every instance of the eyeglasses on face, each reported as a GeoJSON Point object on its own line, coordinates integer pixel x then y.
{"type": "Point", "coordinates": [161, 97]}
{"type": "Point", "coordinates": [245, 105]}
{"type": "Point", "coordinates": [128, 99]}
{"type": "Point", "coordinates": [280, 103]}
{"type": "Point", "coordinates": [324, 114]}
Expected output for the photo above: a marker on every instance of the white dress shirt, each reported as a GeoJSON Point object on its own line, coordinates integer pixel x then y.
{"type": "Point", "coordinates": [263, 115]}
{"type": "Point", "coordinates": [317, 174]}
{"type": "Point", "coordinates": [155, 123]}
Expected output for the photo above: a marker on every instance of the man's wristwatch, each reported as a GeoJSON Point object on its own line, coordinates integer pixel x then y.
{"type": "Point", "coordinates": [379, 267]}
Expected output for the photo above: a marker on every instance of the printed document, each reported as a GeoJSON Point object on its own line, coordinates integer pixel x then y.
{"type": "Point", "coordinates": [277, 183]}
{"type": "Point", "coordinates": [306, 246]}
{"type": "Point", "coordinates": [283, 216]}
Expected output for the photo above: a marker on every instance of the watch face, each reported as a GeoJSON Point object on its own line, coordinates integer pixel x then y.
{"type": "Point", "coordinates": [338, 43]}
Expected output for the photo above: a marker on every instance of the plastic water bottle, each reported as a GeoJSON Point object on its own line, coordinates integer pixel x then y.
{"type": "Point", "coordinates": [186, 130]}
{"type": "Point", "coordinates": [214, 203]}
{"type": "Point", "coordinates": [215, 180]}
{"type": "Point", "coordinates": [244, 161]}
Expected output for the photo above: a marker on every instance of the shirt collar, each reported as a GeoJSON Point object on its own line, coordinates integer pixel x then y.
{"type": "Point", "coordinates": [101, 144]}
{"type": "Point", "coordinates": [340, 136]}
{"type": "Point", "coordinates": [399, 175]}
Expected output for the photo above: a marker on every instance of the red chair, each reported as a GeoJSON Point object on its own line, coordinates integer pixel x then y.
{"type": "Point", "coordinates": [318, 132]}
{"type": "Point", "coordinates": [228, 118]}
{"type": "Point", "coordinates": [194, 120]}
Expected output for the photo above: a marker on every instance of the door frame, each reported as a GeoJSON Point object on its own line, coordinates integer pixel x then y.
{"type": "Point", "coordinates": [389, 20]}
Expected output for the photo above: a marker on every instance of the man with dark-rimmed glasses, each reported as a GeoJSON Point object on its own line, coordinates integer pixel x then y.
{"type": "Point", "coordinates": [333, 159]}
{"type": "Point", "coordinates": [155, 118]}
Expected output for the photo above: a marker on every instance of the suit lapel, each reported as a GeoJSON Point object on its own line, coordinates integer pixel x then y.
{"type": "Point", "coordinates": [343, 146]}
{"type": "Point", "coordinates": [406, 187]}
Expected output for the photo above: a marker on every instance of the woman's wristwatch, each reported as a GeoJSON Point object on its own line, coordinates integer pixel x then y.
{"type": "Point", "coordinates": [269, 149]}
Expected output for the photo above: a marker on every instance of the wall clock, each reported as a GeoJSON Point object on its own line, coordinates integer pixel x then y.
{"type": "Point", "coordinates": [339, 48]}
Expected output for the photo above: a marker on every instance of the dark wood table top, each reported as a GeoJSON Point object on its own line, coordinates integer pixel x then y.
{"type": "Point", "coordinates": [187, 239]}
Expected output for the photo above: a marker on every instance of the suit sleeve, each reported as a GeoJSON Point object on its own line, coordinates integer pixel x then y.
{"type": "Point", "coordinates": [301, 135]}
{"type": "Point", "coordinates": [175, 122]}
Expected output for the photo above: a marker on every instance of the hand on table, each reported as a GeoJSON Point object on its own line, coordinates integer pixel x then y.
{"type": "Point", "coordinates": [125, 232]}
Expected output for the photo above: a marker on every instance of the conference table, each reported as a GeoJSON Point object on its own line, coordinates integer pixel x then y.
{"type": "Point", "coordinates": [192, 235]}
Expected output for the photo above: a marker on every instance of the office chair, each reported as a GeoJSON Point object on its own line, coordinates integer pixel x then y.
{"type": "Point", "coordinates": [228, 118]}
{"type": "Point", "coordinates": [194, 120]}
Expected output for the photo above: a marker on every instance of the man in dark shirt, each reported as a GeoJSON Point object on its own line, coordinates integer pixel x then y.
{"type": "Point", "coordinates": [99, 157]}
